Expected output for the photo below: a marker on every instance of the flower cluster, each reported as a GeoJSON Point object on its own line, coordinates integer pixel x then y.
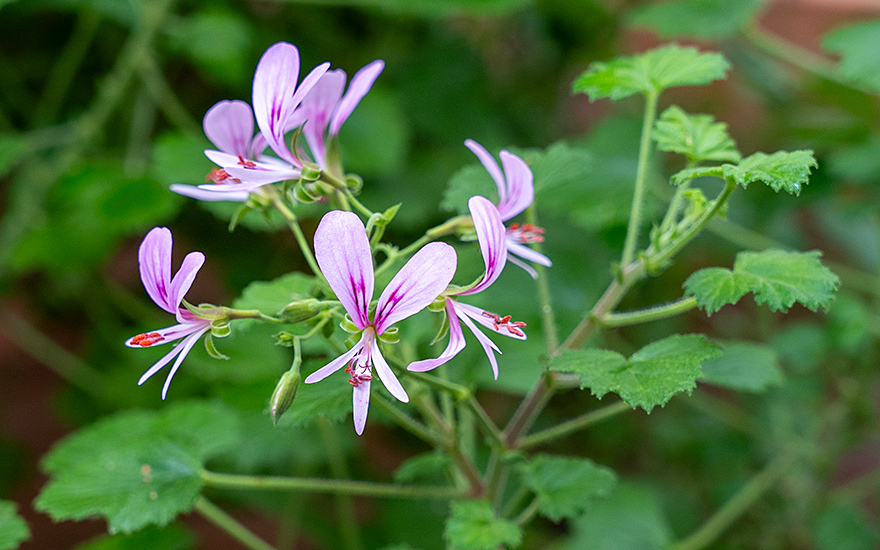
{"type": "Point", "coordinates": [315, 109]}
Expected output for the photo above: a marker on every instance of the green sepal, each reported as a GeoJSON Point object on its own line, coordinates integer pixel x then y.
{"type": "Point", "coordinates": [284, 339]}
{"type": "Point", "coordinates": [212, 349]}
{"type": "Point", "coordinates": [390, 336]}
{"type": "Point", "coordinates": [444, 328]}
{"type": "Point", "coordinates": [238, 215]}
{"type": "Point", "coordinates": [355, 183]}
{"type": "Point", "coordinates": [209, 312]}
{"type": "Point", "coordinates": [220, 328]}
{"type": "Point", "coordinates": [439, 303]}
{"type": "Point", "coordinates": [352, 340]}
{"type": "Point", "coordinates": [348, 325]}
{"type": "Point", "coordinates": [299, 311]}
{"type": "Point", "coordinates": [310, 173]}
{"type": "Point", "coordinates": [301, 194]}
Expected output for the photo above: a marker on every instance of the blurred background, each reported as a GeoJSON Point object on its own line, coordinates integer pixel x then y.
{"type": "Point", "coordinates": [100, 110]}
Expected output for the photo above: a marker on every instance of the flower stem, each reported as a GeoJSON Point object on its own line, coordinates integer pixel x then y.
{"type": "Point", "coordinates": [651, 314]}
{"type": "Point", "coordinates": [548, 320]}
{"type": "Point", "coordinates": [575, 424]}
{"type": "Point", "coordinates": [329, 486]}
{"type": "Point", "coordinates": [635, 217]}
{"type": "Point", "coordinates": [446, 228]}
{"type": "Point", "coordinates": [495, 436]}
{"type": "Point", "coordinates": [349, 530]}
{"type": "Point", "coordinates": [408, 423]}
{"type": "Point", "coordinates": [526, 515]}
{"type": "Point", "coordinates": [458, 391]}
{"type": "Point", "coordinates": [272, 194]}
{"type": "Point", "coordinates": [221, 519]}
{"type": "Point", "coordinates": [731, 511]}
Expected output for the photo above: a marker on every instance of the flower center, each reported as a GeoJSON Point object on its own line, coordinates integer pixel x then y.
{"type": "Point", "coordinates": [498, 322]}
{"type": "Point", "coordinates": [358, 373]}
{"type": "Point", "coordinates": [147, 339]}
{"type": "Point", "coordinates": [526, 233]}
{"type": "Point", "coordinates": [245, 162]}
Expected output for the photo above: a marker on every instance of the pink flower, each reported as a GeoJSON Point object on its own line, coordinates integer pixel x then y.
{"type": "Point", "coordinates": [325, 108]}
{"type": "Point", "coordinates": [493, 246]}
{"type": "Point", "coordinates": [154, 259]}
{"type": "Point", "coordinates": [343, 254]}
{"type": "Point", "coordinates": [515, 193]}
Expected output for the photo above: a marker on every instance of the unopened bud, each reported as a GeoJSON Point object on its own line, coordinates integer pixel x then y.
{"type": "Point", "coordinates": [284, 393]}
{"type": "Point", "coordinates": [299, 311]}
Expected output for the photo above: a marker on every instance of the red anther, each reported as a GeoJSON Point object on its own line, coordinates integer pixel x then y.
{"type": "Point", "coordinates": [147, 339]}
{"type": "Point", "coordinates": [498, 322]}
{"type": "Point", "coordinates": [526, 233]}
{"type": "Point", "coordinates": [515, 331]}
{"type": "Point", "coordinates": [365, 377]}
{"type": "Point", "coordinates": [504, 320]}
{"type": "Point", "coordinates": [354, 382]}
{"type": "Point", "coordinates": [217, 175]}
{"type": "Point", "coordinates": [348, 369]}
{"type": "Point", "coordinates": [246, 163]}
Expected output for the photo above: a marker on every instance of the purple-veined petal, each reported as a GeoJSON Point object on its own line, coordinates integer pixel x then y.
{"type": "Point", "coordinates": [273, 90]}
{"type": "Point", "coordinates": [416, 285]}
{"type": "Point", "coordinates": [479, 316]}
{"type": "Point", "coordinates": [185, 276]}
{"type": "Point", "coordinates": [520, 189]}
{"type": "Point", "coordinates": [154, 261]}
{"type": "Point", "coordinates": [317, 107]}
{"type": "Point", "coordinates": [210, 195]}
{"type": "Point", "coordinates": [455, 345]}
{"type": "Point", "coordinates": [488, 345]}
{"type": "Point", "coordinates": [491, 166]}
{"type": "Point", "coordinates": [179, 351]}
{"type": "Point", "coordinates": [261, 174]}
{"type": "Point", "coordinates": [519, 263]}
{"type": "Point", "coordinates": [230, 126]}
{"type": "Point", "coordinates": [169, 334]}
{"type": "Point", "coordinates": [185, 346]}
{"type": "Point", "coordinates": [343, 254]}
{"type": "Point", "coordinates": [335, 364]}
{"type": "Point", "coordinates": [360, 84]}
{"type": "Point", "coordinates": [491, 236]}
{"type": "Point", "coordinates": [527, 253]}
{"type": "Point", "coordinates": [360, 405]}
{"type": "Point", "coordinates": [386, 375]}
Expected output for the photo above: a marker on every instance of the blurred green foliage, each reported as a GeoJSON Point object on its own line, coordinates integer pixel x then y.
{"type": "Point", "coordinates": [99, 112]}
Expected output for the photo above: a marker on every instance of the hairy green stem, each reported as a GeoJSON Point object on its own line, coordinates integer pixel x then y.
{"type": "Point", "coordinates": [496, 438]}
{"type": "Point", "coordinates": [655, 313]}
{"type": "Point", "coordinates": [408, 423]}
{"type": "Point", "coordinates": [548, 320]}
{"type": "Point", "coordinates": [573, 425]}
{"type": "Point", "coordinates": [446, 228]}
{"type": "Point", "coordinates": [731, 511]}
{"type": "Point", "coordinates": [221, 519]}
{"type": "Point", "coordinates": [329, 486]}
{"type": "Point", "coordinates": [526, 515]}
{"type": "Point", "coordinates": [635, 217]}
{"type": "Point", "coordinates": [458, 391]}
{"type": "Point", "coordinates": [272, 194]}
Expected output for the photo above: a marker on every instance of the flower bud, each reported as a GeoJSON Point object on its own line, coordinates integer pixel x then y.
{"type": "Point", "coordinates": [299, 311]}
{"type": "Point", "coordinates": [284, 393]}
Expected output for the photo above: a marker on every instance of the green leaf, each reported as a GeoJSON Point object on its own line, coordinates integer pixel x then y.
{"type": "Point", "coordinates": [698, 137]}
{"type": "Point", "coordinates": [136, 468]}
{"type": "Point", "coordinates": [844, 527]}
{"type": "Point", "coordinates": [705, 19]}
{"type": "Point", "coordinates": [172, 537]}
{"type": "Point", "coordinates": [857, 46]}
{"type": "Point", "coordinates": [473, 526]}
{"type": "Point", "coordinates": [784, 170]}
{"type": "Point", "coordinates": [630, 518]}
{"type": "Point", "coordinates": [425, 467]}
{"type": "Point", "coordinates": [13, 148]}
{"type": "Point", "coordinates": [13, 529]}
{"type": "Point", "coordinates": [566, 486]}
{"type": "Point", "coordinates": [650, 377]}
{"type": "Point", "coordinates": [777, 278]}
{"type": "Point", "coordinates": [650, 72]}
{"type": "Point", "coordinates": [744, 366]}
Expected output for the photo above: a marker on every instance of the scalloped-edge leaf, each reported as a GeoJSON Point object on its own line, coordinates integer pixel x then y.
{"type": "Point", "coordinates": [137, 468]}
{"type": "Point", "coordinates": [650, 72]}
{"type": "Point", "coordinates": [13, 529]}
{"type": "Point", "coordinates": [650, 377]}
{"type": "Point", "coordinates": [565, 486]}
{"type": "Point", "coordinates": [698, 137]}
{"type": "Point", "coordinates": [473, 526]}
{"type": "Point", "coordinates": [783, 170]}
{"type": "Point", "coordinates": [704, 19]}
{"type": "Point", "coordinates": [777, 278]}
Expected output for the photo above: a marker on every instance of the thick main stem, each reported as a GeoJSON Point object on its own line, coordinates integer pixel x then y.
{"type": "Point", "coordinates": [635, 216]}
